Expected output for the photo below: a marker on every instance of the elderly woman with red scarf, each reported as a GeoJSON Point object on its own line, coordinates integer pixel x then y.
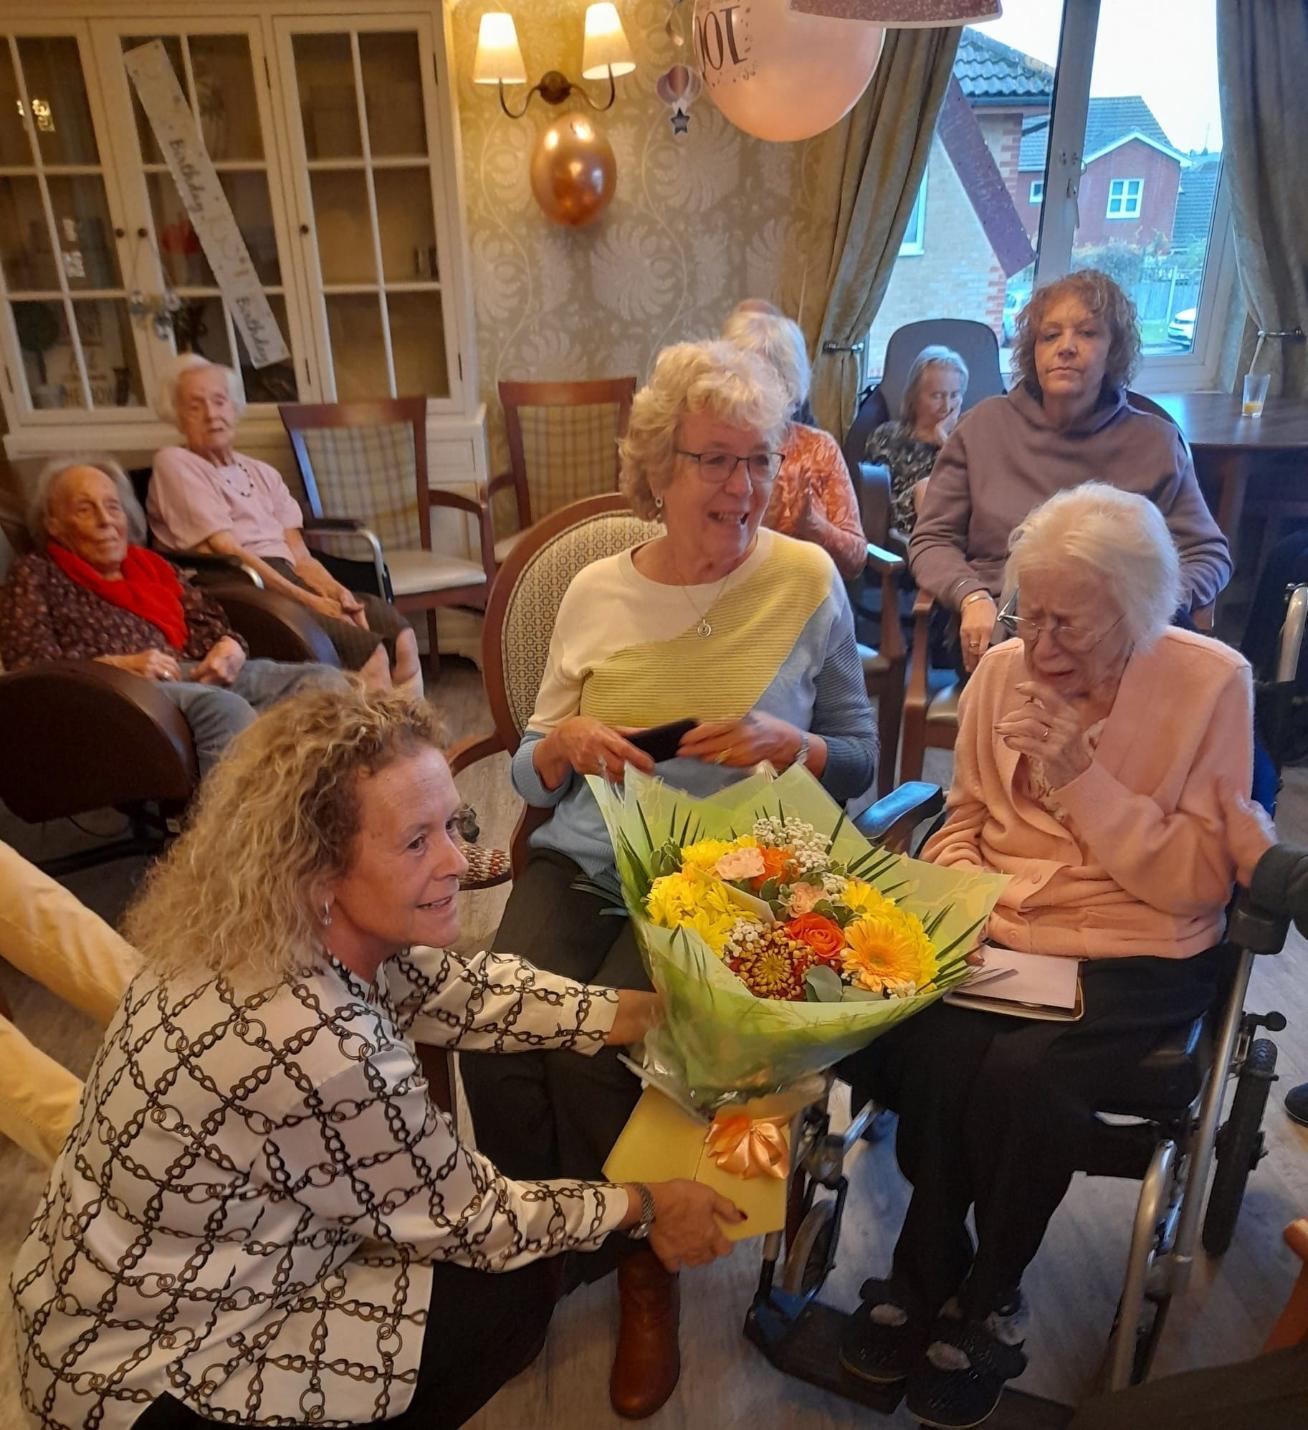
{"type": "Point", "coordinates": [88, 593]}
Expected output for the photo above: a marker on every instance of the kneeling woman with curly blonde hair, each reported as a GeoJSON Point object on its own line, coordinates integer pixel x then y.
{"type": "Point", "coordinates": [259, 1217]}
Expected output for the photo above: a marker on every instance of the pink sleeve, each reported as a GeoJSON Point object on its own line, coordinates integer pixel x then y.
{"type": "Point", "coordinates": [1177, 861]}
{"type": "Point", "coordinates": [285, 507]}
{"type": "Point", "coordinates": [185, 506]}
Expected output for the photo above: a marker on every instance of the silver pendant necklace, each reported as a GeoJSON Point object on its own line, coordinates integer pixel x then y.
{"type": "Point", "coordinates": [704, 628]}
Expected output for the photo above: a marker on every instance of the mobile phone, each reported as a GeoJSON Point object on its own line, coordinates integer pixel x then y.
{"type": "Point", "coordinates": [660, 742]}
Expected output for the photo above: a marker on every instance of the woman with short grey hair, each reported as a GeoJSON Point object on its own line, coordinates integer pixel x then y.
{"type": "Point", "coordinates": [742, 640]}
{"type": "Point", "coordinates": [207, 497]}
{"type": "Point", "coordinates": [1093, 759]}
{"type": "Point", "coordinates": [812, 497]}
{"type": "Point", "coordinates": [91, 592]}
{"type": "Point", "coordinates": [908, 448]}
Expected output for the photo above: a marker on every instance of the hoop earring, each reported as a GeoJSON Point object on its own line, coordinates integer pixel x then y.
{"type": "Point", "coordinates": [326, 915]}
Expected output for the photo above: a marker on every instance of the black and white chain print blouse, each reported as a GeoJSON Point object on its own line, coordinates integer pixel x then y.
{"type": "Point", "coordinates": [246, 1211]}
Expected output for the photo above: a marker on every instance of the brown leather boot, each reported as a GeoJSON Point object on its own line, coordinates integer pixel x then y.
{"type": "Point", "coordinates": [647, 1362]}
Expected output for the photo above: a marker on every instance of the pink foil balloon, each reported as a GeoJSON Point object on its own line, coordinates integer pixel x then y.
{"type": "Point", "coordinates": [779, 74]}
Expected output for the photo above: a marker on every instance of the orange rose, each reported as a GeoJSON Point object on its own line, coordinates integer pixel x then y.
{"type": "Point", "coordinates": [776, 864]}
{"type": "Point", "coordinates": [823, 935]}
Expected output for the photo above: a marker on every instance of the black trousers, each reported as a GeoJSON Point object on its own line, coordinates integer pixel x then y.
{"type": "Point", "coordinates": [992, 1112]}
{"type": "Point", "coordinates": [481, 1331]}
{"type": "Point", "coordinates": [558, 1114]}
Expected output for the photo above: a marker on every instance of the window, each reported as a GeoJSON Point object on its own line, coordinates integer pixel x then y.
{"type": "Point", "coordinates": [915, 233]}
{"type": "Point", "coordinates": [345, 209]}
{"type": "Point", "coordinates": [1124, 198]}
{"type": "Point", "coordinates": [1067, 122]}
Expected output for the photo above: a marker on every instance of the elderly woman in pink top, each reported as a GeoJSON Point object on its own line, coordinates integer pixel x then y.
{"type": "Point", "coordinates": [207, 497]}
{"type": "Point", "coordinates": [1093, 754]}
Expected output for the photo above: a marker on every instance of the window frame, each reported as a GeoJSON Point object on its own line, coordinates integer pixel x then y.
{"type": "Point", "coordinates": [914, 240]}
{"type": "Point", "coordinates": [1163, 371]}
{"type": "Point", "coordinates": [1131, 201]}
{"type": "Point", "coordinates": [1032, 196]}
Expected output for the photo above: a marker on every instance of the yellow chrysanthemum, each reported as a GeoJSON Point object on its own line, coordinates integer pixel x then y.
{"type": "Point", "coordinates": [888, 952]}
{"type": "Point", "coordinates": [862, 898]}
{"type": "Point", "coordinates": [696, 900]}
{"type": "Point", "coordinates": [705, 853]}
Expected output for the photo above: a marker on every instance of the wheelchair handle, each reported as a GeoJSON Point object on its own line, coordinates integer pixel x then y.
{"type": "Point", "coordinates": [1253, 927]}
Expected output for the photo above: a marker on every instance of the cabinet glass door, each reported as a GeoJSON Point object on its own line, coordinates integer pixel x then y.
{"type": "Point", "coordinates": [221, 74]}
{"type": "Point", "coordinates": [63, 283]}
{"type": "Point", "coordinates": [372, 201]}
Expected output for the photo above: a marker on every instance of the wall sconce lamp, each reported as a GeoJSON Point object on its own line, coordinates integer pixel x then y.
{"type": "Point", "coordinates": [605, 51]}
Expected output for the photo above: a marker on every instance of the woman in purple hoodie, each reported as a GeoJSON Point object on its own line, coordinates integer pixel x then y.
{"type": "Point", "coordinates": [1066, 421]}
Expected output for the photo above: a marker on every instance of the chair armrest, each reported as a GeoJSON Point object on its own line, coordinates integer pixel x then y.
{"type": "Point", "coordinates": [465, 753]}
{"type": "Point", "coordinates": [872, 483]}
{"type": "Point", "coordinates": [893, 818]}
{"type": "Point", "coordinates": [883, 561]}
{"type": "Point", "coordinates": [203, 564]}
{"type": "Point", "coordinates": [275, 627]}
{"type": "Point", "coordinates": [350, 526]}
{"type": "Point", "coordinates": [90, 736]}
{"type": "Point", "coordinates": [506, 481]}
{"type": "Point", "coordinates": [480, 508]}
{"type": "Point", "coordinates": [334, 523]}
{"type": "Point", "coordinates": [916, 696]}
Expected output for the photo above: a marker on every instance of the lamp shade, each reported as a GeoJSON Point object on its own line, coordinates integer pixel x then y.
{"type": "Point", "coordinates": [605, 47]}
{"type": "Point", "coordinates": [499, 56]}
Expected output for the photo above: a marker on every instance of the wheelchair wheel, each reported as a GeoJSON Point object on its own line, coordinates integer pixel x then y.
{"type": "Point", "coordinates": [1239, 1145]}
{"type": "Point", "coordinates": [809, 1255]}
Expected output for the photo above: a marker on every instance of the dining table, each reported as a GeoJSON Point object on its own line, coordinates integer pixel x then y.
{"type": "Point", "coordinates": [1232, 450]}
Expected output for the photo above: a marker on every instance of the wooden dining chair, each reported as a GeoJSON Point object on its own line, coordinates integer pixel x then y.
{"type": "Point", "coordinates": [563, 445]}
{"type": "Point", "coordinates": [364, 469]}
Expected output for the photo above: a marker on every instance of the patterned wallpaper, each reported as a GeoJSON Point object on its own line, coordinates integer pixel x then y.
{"type": "Point", "coordinates": [697, 221]}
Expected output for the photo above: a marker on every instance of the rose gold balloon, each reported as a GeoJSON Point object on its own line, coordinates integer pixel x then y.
{"type": "Point", "coordinates": [573, 171]}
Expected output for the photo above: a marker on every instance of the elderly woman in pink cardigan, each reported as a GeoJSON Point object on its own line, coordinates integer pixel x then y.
{"type": "Point", "coordinates": [1092, 756]}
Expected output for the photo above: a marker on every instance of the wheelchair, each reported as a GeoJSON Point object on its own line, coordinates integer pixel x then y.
{"type": "Point", "coordinates": [1164, 1130]}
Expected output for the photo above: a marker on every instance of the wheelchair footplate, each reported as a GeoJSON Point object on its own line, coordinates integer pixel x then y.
{"type": "Point", "coordinates": [801, 1335]}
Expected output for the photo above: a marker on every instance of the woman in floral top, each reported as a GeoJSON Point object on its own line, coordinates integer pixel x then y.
{"type": "Point", "coordinates": [88, 593]}
{"type": "Point", "coordinates": [259, 1218]}
{"type": "Point", "coordinates": [812, 495]}
{"type": "Point", "coordinates": [933, 398]}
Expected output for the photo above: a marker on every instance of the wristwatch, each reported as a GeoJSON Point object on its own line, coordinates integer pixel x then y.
{"type": "Point", "coordinates": [641, 1230]}
{"type": "Point", "coordinates": [805, 744]}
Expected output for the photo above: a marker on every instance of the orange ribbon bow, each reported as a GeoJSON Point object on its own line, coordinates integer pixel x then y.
{"type": "Point", "coordinates": [750, 1146]}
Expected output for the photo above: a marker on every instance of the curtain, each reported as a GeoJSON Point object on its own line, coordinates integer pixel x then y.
{"type": "Point", "coordinates": [864, 173]}
{"type": "Point", "coordinates": [1261, 52]}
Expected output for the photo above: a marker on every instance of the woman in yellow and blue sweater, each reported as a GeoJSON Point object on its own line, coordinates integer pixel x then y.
{"type": "Point", "coordinates": [740, 628]}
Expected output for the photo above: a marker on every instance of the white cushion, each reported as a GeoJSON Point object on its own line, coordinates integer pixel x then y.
{"type": "Point", "coordinates": [506, 544]}
{"type": "Point", "coordinates": [413, 572]}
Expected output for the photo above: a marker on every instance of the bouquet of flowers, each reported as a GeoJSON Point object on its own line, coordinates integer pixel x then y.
{"type": "Point", "coordinates": [779, 938]}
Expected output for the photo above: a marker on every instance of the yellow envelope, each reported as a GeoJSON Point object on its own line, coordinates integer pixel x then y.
{"type": "Point", "coordinates": [661, 1142]}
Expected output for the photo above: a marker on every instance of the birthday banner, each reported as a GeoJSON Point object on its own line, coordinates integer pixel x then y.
{"type": "Point", "coordinates": [205, 202]}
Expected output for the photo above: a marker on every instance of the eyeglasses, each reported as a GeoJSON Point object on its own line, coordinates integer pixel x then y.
{"type": "Point", "coordinates": [1076, 640]}
{"type": "Point", "coordinates": [719, 467]}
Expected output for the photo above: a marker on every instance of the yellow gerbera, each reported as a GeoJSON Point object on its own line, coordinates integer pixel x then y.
{"type": "Point", "coordinates": [862, 898]}
{"type": "Point", "coordinates": [888, 952]}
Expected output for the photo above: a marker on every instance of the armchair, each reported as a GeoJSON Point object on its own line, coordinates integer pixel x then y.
{"type": "Point", "coordinates": [370, 457]}
{"type": "Point", "coordinates": [81, 735]}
